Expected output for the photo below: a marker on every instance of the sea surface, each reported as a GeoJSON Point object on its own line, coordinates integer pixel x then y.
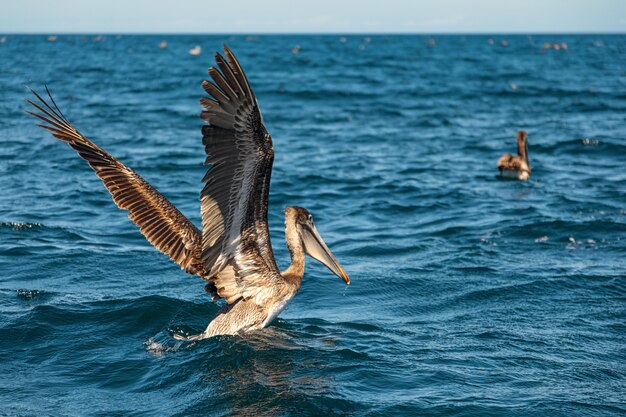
{"type": "Point", "coordinates": [470, 295]}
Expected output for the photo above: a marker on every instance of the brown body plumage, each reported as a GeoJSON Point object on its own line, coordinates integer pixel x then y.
{"type": "Point", "coordinates": [517, 167]}
{"type": "Point", "coordinates": [233, 252]}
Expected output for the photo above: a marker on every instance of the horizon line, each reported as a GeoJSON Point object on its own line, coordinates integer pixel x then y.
{"type": "Point", "coordinates": [330, 33]}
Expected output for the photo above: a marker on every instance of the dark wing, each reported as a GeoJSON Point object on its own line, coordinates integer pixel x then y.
{"type": "Point", "coordinates": [509, 162]}
{"type": "Point", "coordinates": [158, 220]}
{"type": "Point", "coordinates": [236, 248]}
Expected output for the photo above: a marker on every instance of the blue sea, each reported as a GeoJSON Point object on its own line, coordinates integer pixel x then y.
{"type": "Point", "coordinates": [470, 295]}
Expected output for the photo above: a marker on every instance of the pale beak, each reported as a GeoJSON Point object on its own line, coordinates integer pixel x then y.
{"type": "Point", "coordinates": [315, 247]}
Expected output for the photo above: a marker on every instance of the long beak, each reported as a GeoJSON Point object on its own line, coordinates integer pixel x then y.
{"type": "Point", "coordinates": [315, 247]}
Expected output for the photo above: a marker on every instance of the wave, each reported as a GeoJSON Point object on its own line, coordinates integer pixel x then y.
{"type": "Point", "coordinates": [20, 226]}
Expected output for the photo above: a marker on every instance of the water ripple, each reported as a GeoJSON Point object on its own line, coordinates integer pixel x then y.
{"type": "Point", "coordinates": [470, 296]}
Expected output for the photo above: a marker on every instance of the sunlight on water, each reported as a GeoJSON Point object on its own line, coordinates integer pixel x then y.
{"type": "Point", "coordinates": [469, 296]}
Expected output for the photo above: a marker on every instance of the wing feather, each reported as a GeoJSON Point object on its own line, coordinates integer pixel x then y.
{"type": "Point", "coordinates": [509, 162]}
{"type": "Point", "coordinates": [236, 248]}
{"type": "Point", "coordinates": [158, 220]}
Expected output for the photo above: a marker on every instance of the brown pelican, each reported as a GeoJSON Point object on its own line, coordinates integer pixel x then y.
{"type": "Point", "coordinates": [516, 166]}
{"type": "Point", "coordinates": [233, 252]}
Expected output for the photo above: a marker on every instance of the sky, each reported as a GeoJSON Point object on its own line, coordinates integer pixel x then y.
{"type": "Point", "coordinates": [313, 16]}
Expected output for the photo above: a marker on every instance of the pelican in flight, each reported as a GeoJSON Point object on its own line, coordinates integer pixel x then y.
{"type": "Point", "coordinates": [233, 251]}
{"type": "Point", "coordinates": [516, 167]}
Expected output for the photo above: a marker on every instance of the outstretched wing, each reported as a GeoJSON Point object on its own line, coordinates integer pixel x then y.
{"type": "Point", "coordinates": [158, 220]}
{"type": "Point", "coordinates": [236, 248]}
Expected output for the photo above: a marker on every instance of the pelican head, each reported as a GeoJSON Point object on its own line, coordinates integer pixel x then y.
{"type": "Point", "coordinates": [312, 242]}
{"type": "Point", "coordinates": [522, 143]}
{"type": "Point", "coordinates": [522, 137]}
{"type": "Point", "coordinates": [522, 140]}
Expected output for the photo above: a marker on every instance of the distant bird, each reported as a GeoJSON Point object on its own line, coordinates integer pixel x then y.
{"type": "Point", "coordinates": [516, 167]}
{"type": "Point", "coordinates": [196, 50]}
{"type": "Point", "coordinates": [233, 252]}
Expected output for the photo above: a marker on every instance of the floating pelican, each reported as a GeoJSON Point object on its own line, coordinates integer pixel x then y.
{"type": "Point", "coordinates": [516, 166]}
{"type": "Point", "coordinates": [233, 252]}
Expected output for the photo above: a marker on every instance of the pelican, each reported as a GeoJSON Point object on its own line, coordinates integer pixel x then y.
{"type": "Point", "coordinates": [516, 167]}
{"type": "Point", "coordinates": [233, 251]}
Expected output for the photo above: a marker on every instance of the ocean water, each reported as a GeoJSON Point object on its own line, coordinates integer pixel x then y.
{"type": "Point", "coordinates": [470, 295]}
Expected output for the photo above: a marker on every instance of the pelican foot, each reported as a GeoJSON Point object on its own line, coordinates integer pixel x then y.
{"type": "Point", "coordinates": [200, 336]}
